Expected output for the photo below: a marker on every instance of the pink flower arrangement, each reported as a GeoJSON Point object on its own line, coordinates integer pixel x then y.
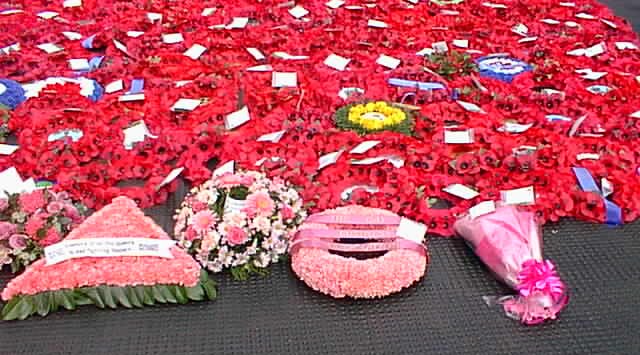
{"type": "Point", "coordinates": [122, 218]}
{"type": "Point", "coordinates": [247, 222]}
{"type": "Point", "coordinates": [33, 220]}
{"type": "Point", "coordinates": [346, 276]}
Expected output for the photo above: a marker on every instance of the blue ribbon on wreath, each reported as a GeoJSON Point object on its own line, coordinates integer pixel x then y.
{"type": "Point", "coordinates": [11, 93]}
{"type": "Point", "coordinates": [502, 67]}
{"type": "Point", "coordinates": [588, 183]}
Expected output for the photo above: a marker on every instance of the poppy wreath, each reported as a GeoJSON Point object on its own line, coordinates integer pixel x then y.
{"type": "Point", "coordinates": [375, 116]}
{"type": "Point", "coordinates": [353, 251]}
{"type": "Point", "coordinates": [575, 105]}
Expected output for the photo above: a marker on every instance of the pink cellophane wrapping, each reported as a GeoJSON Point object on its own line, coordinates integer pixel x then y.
{"type": "Point", "coordinates": [509, 242]}
{"type": "Point", "coordinates": [340, 276]}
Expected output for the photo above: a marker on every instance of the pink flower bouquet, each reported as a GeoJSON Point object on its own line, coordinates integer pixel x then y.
{"type": "Point", "coordinates": [509, 242]}
{"type": "Point", "coordinates": [33, 220]}
{"type": "Point", "coordinates": [241, 221]}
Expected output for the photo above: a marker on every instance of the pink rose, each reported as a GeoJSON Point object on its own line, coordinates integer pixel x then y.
{"type": "Point", "coordinates": [198, 206]}
{"type": "Point", "coordinates": [55, 207]}
{"type": "Point", "coordinates": [203, 220]}
{"type": "Point", "coordinates": [191, 234]}
{"type": "Point", "coordinates": [6, 229]}
{"type": "Point", "coordinates": [18, 241]}
{"type": "Point", "coordinates": [236, 236]}
{"type": "Point", "coordinates": [287, 212]}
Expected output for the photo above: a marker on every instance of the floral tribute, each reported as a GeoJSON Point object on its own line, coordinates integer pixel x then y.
{"type": "Point", "coordinates": [248, 69]}
{"type": "Point", "coordinates": [240, 221]}
{"type": "Point", "coordinates": [128, 281]}
{"type": "Point", "coordinates": [374, 117]}
{"type": "Point", "coordinates": [509, 242]}
{"type": "Point", "coordinates": [353, 251]}
{"type": "Point", "coordinates": [30, 221]}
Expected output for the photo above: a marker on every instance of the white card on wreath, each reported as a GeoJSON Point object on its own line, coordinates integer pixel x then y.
{"type": "Point", "coordinates": [237, 119]}
{"type": "Point", "coordinates": [411, 230]}
{"type": "Point", "coordinates": [337, 62]}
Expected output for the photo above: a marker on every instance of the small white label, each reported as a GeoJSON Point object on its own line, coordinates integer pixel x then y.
{"type": "Point", "coordinates": [11, 12]}
{"type": "Point", "coordinates": [528, 39]}
{"type": "Point", "coordinates": [579, 52]}
{"type": "Point", "coordinates": [50, 48]}
{"type": "Point", "coordinates": [461, 43]}
{"type": "Point", "coordinates": [48, 15]}
{"type": "Point", "coordinates": [572, 24]}
{"type": "Point", "coordinates": [227, 168]}
{"type": "Point", "coordinates": [345, 93]}
{"type": "Point", "coordinates": [587, 156]}
{"type": "Point", "coordinates": [131, 97]}
{"type": "Point", "coordinates": [256, 54]}
{"type": "Point", "coordinates": [72, 36]}
{"type": "Point", "coordinates": [71, 3]}
{"type": "Point", "coordinates": [135, 134]}
{"type": "Point", "coordinates": [334, 4]}
{"type": "Point", "coordinates": [522, 196]}
{"type": "Point", "coordinates": [568, 4]}
{"type": "Point", "coordinates": [261, 68]}
{"type": "Point", "coordinates": [208, 11]}
{"type": "Point", "coordinates": [514, 127]}
{"type": "Point", "coordinates": [609, 23]}
{"type": "Point", "coordinates": [237, 119]}
{"type": "Point", "coordinates": [364, 147]}
{"type": "Point", "coordinates": [471, 107]}
{"type": "Point", "coordinates": [79, 64]}
{"type": "Point", "coordinates": [595, 50]}
{"type": "Point", "coordinates": [625, 46]}
{"type": "Point", "coordinates": [585, 16]}
{"type": "Point", "coordinates": [458, 137]}
{"type": "Point", "coordinates": [172, 38]}
{"type": "Point", "coordinates": [185, 105]}
{"type": "Point", "coordinates": [172, 176]}
{"type": "Point", "coordinates": [107, 248]}
{"type": "Point", "coordinates": [461, 191]}
{"type": "Point", "coordinates": [494, 6]}
{"type": "Point", "coordinates": [481, 209]}
{"type": "Point", "coordinates": [8, 149]}
{"type": "Point", "coordinates": [298, 12]}
{"type": "Point", "coordinates": [287, 56]}
{"type": "Point", "coordinates": [284, 80]}
{"type": "Point", "coordinates": [387, 61]}
{"type": "Point", "coordinates": [329, 159]}
{"type": "Point", "coordinates": [520, 29]}
{"type": "Point", "coordinates": [238, 23]}
{"type": "Point", "coordinates": [440, 47]}
{"type": "Point", "coordinates": [12, 183]}
{"type": "Point", "coordinates": [411, 230]}
{"type": "Point", "coordinates": [592, 75]}
{"type": "Point", "coordinates": [272, 137]}
{"type": "Point", "coordinates": [635, 114]}
{"type": "Point", "coordinates": [195, 51]}
{"type": "Point", "coordinates": [607, 187]}
{"type": "Point", "coordinates": [426, 52]}
{"type": "Point", "coordinates": [114, 86]}
{"type": "Point", "coordinates": [134, 34]}
{"type": "Point", "coordinates": [337, 62]}
{"type": "Point", "coordinates": [154, 16]}
{"type": "Point", "coordinates": [550, 21]}
{"type": "Point", "coordinates": [377, 24]}
{"type": "Point", "coordinates": [120, 46]}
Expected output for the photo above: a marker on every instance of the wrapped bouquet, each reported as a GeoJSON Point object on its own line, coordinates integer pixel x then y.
{"type": "Point", "coordinates": [509, 242]}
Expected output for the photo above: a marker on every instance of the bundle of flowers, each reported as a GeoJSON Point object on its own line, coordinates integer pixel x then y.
{"type": "Point", "coordinates": [30, 221]}
{"type": "Point", "coordinates": [374, 117]}
{"type": "Point", "coordinates": [356, 252]}
{"type": "Point", "coordinates": [108, 280]}
{"type": "Point", "coordinates": [528, 95]}
{"type": "Point", "coordinates": [239, 221]}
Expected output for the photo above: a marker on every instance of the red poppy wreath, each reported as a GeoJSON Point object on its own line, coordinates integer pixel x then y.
{"type": "Point", "coordinates": [359, 252]}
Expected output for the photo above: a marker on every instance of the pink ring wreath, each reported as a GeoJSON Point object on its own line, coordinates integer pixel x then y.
{"type": "Point", "coordinates": [340, 276]}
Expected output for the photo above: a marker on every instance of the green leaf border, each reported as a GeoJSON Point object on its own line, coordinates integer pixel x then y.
{"type": "Point", "coordinates": [44, 303]}
{"type": "Point", "coordinates": [341, 118]}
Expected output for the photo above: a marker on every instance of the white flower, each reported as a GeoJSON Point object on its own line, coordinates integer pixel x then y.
{"type": "Point", "coordinates": [269, 243]}
{"type": "Point", "coordinates": [225, 256]}
{"type": "Point", "coordinates": [241, 259]}
{"type": "Point", "coordinates": [236, 219]}
{"type": "Point", "coordinates": [210, 240]}
{"type": "Point", "coordinates": [261, 224]}
{"type": "Point", "coordinates": [207, 196]}
{"type": "Point", "coordinates": [215, 266]}
{"type": "Point", "coordinates": [278, 229]}
{"type": "Point", "coordinates": [280, 247]}
{"type": "Point", "coordinates": [262, 260]}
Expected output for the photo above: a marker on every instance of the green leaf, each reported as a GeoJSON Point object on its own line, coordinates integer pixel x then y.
{"type": "Point", "coordinates": [19, 307]}
{"type": "Point", "coordinates": [208, 285]}
{"type": "Point", "coordinates": [133, 297]}
{"type": "Point", "coordinates": [178, 293]}
{"type": "Point", "coordinates": [119, 294]}
{"type": "Point", "coordinates": [195, 293]}
{"type": "Point", "coordinates": [42, 303]}
{"type": "Point", "coordinates": [166, 293]}
{"type": "Point", "coordinates": [94, 295]}
{"type": "Point", "coordinates": [158, 295]}
{"type": "Point", "coordinates": [142, 296]}
{"type": "Point", "coordinates": [63, 299]}
{"type": "Point", "coordinates": [148, 295]}
{"type": "Point", "coordinates": [107, 297]}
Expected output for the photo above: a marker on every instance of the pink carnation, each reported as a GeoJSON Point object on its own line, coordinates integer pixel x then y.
{"type": "Point", "coordinates": [6, 230]}
{"type": "Point", "coordinates": [259, 203]}
{"type": "Point", "coordinates": [287, 212]}
{"type": "Point", "coordinates": [203, 220]}
{"type": "Point", "coordinates": [34, 224]}
{"type": "Point", "coordinates": [51, 237]}
{"type": "Point", "coordinates": [236, 236]}
{"type": "Point", "coordinates": [32, 201]}
{"type": "Point", "coordinates": [229, 181]}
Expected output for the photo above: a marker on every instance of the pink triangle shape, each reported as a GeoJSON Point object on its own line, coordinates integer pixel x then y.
{"type": "Point", "coordinates": [121, 218]}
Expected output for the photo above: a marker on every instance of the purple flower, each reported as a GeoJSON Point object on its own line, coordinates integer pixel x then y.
{"type": "Point", "coordinates": [6, 229]}
{"type": "Point", "coordinates": [18, 241]}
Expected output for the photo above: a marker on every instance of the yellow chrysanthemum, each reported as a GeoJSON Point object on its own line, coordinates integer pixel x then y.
{"type": "Point", "coordinates": [376, 115]}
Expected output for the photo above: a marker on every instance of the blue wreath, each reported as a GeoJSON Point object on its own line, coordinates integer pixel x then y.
{"type": "Point", "coordinates": [495, 72]}
{"type": "Point", "coordinates": [13, 95]}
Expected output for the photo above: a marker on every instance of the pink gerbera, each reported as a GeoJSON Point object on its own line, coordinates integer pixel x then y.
{"type": "Point", "coordinates": [259, 203]}
{"type": "Point", "coordinates": [229, 181]}
{"type": "Point", "coordinates": [203, 220]}
{"type": "Point", "coordinates": [236, 236]}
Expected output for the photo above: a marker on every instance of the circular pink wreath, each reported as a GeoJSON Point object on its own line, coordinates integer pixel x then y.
{"type": "Point", "coordinates": [340, 276]}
